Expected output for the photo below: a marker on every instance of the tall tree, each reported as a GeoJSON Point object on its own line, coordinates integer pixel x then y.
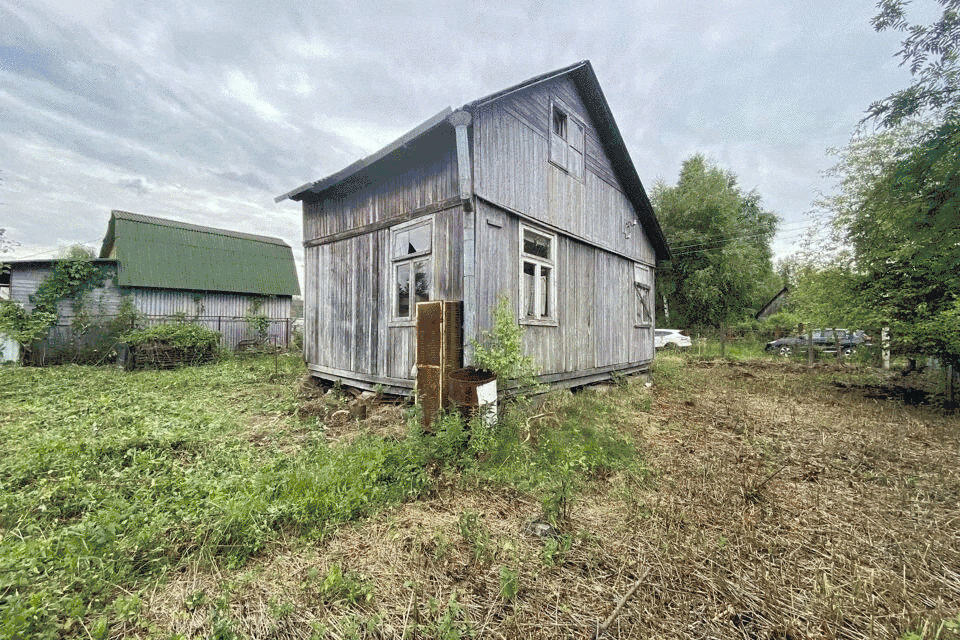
{"type": "Point", "coordinates": [720, 239]}
{"type": "Point", "coordinates": [899, 205]}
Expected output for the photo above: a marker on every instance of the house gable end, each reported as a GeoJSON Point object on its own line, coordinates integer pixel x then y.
{"type": "Point", "coordinates": [412, 179]}
{"type": "Point", "coordinates": [582, 194]}
{"type": "Point", "coordinates": [606, 153]}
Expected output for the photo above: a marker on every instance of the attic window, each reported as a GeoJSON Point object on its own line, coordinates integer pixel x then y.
{"type": "Point", "coordinates": [411, 245]}
{"type": "Point", "coordinates": [566, 140]}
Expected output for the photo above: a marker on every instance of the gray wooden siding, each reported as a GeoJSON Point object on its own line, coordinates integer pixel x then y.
{"type": "Point", "coordinates": [596, 306]}
{"type": "Point", "coordinates": [222, 312]}
{"type": "Point", "coordinates": [26, 279]}
{"type": "Point", "coordinates": [512, 170]}
{"type": "Point", "coordinates": [348, 300]}
{"type": "Point", "coordinates": [166, 302]}
{"type": "Point", "coordinates": [344, 208]}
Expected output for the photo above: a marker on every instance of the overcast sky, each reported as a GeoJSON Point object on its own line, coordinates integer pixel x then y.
{"type": "Point", "coordinates": [204, 111]}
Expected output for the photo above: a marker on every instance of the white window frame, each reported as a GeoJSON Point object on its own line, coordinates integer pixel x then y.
{"type": "Point", "coordinates": [643, 307]}
{"type": "Point", "coordinates": [566, 148]}
{"type": "Point", "coordinates": [410, 259]}
{"type": "Point", "coordinates": [539, 295]}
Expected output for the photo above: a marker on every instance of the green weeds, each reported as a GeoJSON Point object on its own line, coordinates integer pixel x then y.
{"type": "Point", "coordinates": [111, 478]}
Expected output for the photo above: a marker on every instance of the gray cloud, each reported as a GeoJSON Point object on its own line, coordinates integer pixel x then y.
{"type": "Point", "coordinates": [204, 111]}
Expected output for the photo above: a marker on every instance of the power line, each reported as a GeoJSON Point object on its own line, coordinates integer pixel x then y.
{"type": "Point", "coordinates": [716, 244]}
{"type": "Point", "coordinates": [51, 251]}
{"type": "Point", "coordinates": [710, 238]}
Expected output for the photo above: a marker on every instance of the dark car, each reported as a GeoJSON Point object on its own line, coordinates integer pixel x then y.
{"type": "Point", "coordinates": [823, 339]}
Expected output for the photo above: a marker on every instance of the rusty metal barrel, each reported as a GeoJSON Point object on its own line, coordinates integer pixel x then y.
{"type": "Point", "coordinates": [474, 391]}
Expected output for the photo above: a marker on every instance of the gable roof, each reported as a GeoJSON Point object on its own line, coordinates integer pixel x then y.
{"type": "Point", "coordinates": [774, 305]}
{"type": "Point", "coordinates": [599, 111]}
{"type": "Point", "coordinates": [168, 254]}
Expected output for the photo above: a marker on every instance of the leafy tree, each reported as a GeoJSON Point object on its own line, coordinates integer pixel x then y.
{"type": "Point", "coordinates": [905, 234]}
{"type": "Point", "coordinates": [720, 238]}
{"type": "Point", "coordinates": [824, 295]}
{"type": "Point", "coordinates": [898, 207]}
{"type": "Point", "coordinates": [931, 53]}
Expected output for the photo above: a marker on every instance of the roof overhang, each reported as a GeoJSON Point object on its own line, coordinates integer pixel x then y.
{"type": "Point", "coordinates": [344, 174]}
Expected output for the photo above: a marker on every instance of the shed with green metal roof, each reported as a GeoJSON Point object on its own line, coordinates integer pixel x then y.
{"type": "Point", "coordinates": [167, 254]}
{"type": "Point", "coordinates": [172, 269]}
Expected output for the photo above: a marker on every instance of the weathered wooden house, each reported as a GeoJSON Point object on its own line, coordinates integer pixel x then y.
{"type": "Point", "coordinates": [528, 193]}
{"type": "Point", "coordinates": [173, 269]}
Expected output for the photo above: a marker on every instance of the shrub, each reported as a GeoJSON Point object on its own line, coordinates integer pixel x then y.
{"type": "Point", "coordinates": [172, 344]}
{"type": "Point", "coordinates": [501, 350]}
{"type": "Point", "coordinates": [23, 326]}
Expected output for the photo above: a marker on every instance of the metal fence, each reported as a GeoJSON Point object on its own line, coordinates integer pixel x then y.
{"type": "Point", "coordinates": [97, 340]}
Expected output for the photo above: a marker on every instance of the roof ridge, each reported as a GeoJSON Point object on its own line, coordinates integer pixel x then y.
{"type": "Point", "coordinates": [529, 82]}
{"type": "Point", "coordinates": [177, 224]}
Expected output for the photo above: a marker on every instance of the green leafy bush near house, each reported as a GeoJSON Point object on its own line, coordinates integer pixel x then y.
{"type": "Point", "coordinates": [172, 344]}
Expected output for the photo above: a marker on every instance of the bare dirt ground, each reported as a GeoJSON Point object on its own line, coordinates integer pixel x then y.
{"type": "Point", "coordinates": [780, 502]}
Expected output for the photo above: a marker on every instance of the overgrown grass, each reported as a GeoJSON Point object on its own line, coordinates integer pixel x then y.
{"type": "Point", "coordinates": [110, 482]}
{"type": "Point", "coordinates": [111, 479]}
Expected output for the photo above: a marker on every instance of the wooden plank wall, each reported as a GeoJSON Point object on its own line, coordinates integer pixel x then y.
{"type": "Point", "coordinates": [595, 299]}
{"type": "Point", "coordinates": [222, 312]}
{"type": "Point", "coordinates": [513, 170]}
{"type": "Point", "coordinates": [26, 279]}
{"type": "Point", "coordinates": [428, 176]}
{"type": "Point", "coordinates": [348, 298]}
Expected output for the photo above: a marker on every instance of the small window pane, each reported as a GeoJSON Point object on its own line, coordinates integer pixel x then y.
{"type": "Point", "coordinates": [545, 291]}
{"type": "Point", "coordinates": [419, 240]}
{"type": "Point", "coordinates": [558, 151]}
{"type": "Point", "coordinates": [536, 245]}
{"type": "Point", "coordinates": [575, 164]}
{"type": "Point", "coordinates": [400, 241]}
{"type": "Point", "coordinates": [529, 289]}
{"type": "Point", "coordinates": [643, 304]}
{"type": "Point", "coordinates": [421, 284]}
{"type": "Point", "coordinates": [403, 290]}
{"type": "Point", "coordinates": [576, 136]}
{"type": "Point", "coordinates": [559, 123]}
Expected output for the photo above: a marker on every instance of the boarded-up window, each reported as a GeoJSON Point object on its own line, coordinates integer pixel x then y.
{"type": "Point", "coordinates": [537, 275]}
{"type": "Point", "coordinates": [643, 300]}
{"type": "Point", "coordinates": [566, 140]}
{"type": "Point", "coordinates": [411, 245]}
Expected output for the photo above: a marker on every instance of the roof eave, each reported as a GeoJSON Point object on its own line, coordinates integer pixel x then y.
{"type": "Point", "coordinates": [334, 179]}
{"type": "Point", "coordinates": [596, 103]}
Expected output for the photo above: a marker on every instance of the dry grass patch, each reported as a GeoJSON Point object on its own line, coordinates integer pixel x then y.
{"type": "Point", "coordinates": [779, 505]}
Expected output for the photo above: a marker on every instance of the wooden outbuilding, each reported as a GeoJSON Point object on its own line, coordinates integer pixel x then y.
{"type": "Point", "coordinates": [528, 193]}
{"type": "Point", "coordinates": [170, 269]}
{"type": "Point", "coordinates": [774, 305]}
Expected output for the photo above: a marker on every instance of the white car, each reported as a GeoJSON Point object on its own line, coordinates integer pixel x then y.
{"type": "Point", "coordinates": [663, 338]}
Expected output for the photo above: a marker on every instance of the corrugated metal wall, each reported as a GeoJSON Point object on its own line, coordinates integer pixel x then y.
{"type": "Point", "coordinates": [222, 312]}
